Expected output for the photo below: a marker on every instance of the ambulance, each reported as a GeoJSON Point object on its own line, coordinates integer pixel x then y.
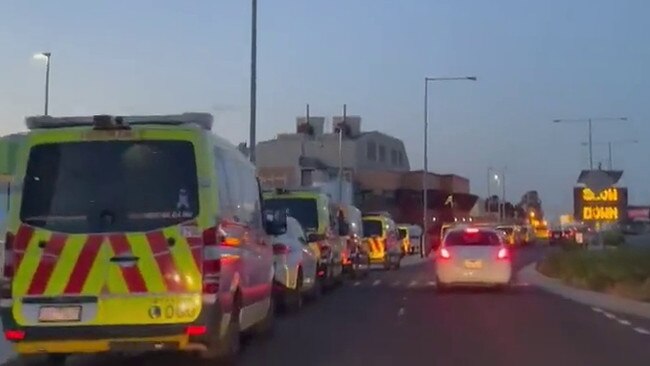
{"type": "Point", "coordinates": [382, 238]}
{"type": "Point", "coordinates": [134, 233]}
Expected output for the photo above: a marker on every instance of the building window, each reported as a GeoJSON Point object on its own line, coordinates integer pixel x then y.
{"type": "Point", "coordinates": [393, 157]}
{"type": "Point", "coordinates": [382, 153]}
{"type": "Point", "coordinates": [306, 177]}
{"type": "Point", "coordinates": [401, 158]}
{"type": "Point", "coordinates": [372, 151]}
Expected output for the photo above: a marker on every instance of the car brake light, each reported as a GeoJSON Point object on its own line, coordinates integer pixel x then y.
{"type": "Point", "coordinates": [8, 265]}
{"type": "Point", "coordinates": [196, 330]}
{"type": "Point", "coordinates": [281, 248]}
{"type": "Point", "coordinates": [14, 335]}
{"type": "Point", "coordinates": [503, 253]}
{"type": "Point", "coordinates": [444, 253]}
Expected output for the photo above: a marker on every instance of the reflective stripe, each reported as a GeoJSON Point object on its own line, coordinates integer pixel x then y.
{"type": "Point", "coordinates": [166, 265]}
{"type": "Point", "coordinates": [49, 258]}
{"type": "Point", "coordinates": [21, 241]}
{"type": "Point", "coordinates": [6, 303]}
{"type": "Point", "coordinates": [83, 265]}
{"type": "Point", "coordinates": [130, 274]}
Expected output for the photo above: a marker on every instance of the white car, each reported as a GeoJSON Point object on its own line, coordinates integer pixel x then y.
{"type": "Point", "coordinates": [296, 266]}
{"type": "Point", "coordinates": [472, 256]}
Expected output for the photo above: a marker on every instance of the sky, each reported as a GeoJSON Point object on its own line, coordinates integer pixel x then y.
{"type": "Point", "coordinates": [535, 61]}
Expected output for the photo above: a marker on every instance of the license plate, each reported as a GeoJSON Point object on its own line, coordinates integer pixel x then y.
{"type": "Point", "coordinates": [473, 264]}
{"type": "Point", "coordinates": [54, 314]}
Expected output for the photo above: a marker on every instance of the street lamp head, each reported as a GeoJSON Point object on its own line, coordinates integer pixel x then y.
{"type": "Point", "coordinates": [557, 120]}
{"type": "Point", "coordinates": [473, 78]}
{"type": "Point", "coordinates": [43, 56]}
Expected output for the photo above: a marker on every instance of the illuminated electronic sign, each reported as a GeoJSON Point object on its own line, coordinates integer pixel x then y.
{"type": "Point", "coordinates": [608, 205]}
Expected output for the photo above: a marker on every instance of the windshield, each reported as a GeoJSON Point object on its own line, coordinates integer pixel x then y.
{"type": "Point", "coordinates": [481, 238]}
{"type": "Point", "coordinates": [125, 186]}
{"type": "Point", "coordinates": [372, 228]}
{"type": "Point", "coordinates": [304, 210]}
{"type": "Point", "coordinates": [403, 233]}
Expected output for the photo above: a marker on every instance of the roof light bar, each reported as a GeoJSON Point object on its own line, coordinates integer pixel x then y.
{"type": "Point", "coordinates": [203, 120]}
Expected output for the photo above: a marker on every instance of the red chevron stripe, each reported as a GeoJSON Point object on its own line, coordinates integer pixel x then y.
{"type": "Point", "coordinates": [83, 265]}
{"type": "Point", "coordinates": [170, 273]}
{"type": "Point", "coordinates": [132, 275]}
{"type": "Point", "coordinates": [49, 258]}
{"type": "Point", "coordinates": [196, 246]}
{"type": "Point", "coordinates": [21, 241]}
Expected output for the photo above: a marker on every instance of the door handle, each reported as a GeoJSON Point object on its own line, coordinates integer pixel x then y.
{"type": "Point", "coordinates": [125, 259]}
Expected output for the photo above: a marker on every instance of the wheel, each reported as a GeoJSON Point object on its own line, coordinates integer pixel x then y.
{"type": "Point", "coordinates": [265, 327]}
{"type": "Point", "coordinates": [316, 290]}
{"type": "Point", "coordinates": [292, 298]}
{"type": "Point", "coordinates": [398, 264]}
{"type": "Point", "coordinates": [226, 349]}
{"type": "Point", "coordinates": [58, 359]}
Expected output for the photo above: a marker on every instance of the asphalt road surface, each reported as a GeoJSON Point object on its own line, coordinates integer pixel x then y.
{"type": "Point", "coordinates": [397, 318]}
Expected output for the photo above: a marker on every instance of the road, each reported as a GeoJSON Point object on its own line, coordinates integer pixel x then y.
{"type": "Point", "coordinates": [396, 318]}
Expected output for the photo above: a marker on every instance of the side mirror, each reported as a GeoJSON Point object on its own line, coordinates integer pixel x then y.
{"type": "Point", "coordinates": [275, 222]}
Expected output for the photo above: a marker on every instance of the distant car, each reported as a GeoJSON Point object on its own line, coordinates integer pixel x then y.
{"type": "Point", "coordinates": [472, 256]}
{"type": "Point", "coordinates": [296, 267]}
{"type": "Point", "coordinates": [561, 236]}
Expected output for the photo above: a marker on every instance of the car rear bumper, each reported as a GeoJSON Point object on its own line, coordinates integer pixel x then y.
{"type": "Point", "coordinates": [116, 338]}
{"type": "Point", "coordinates": [453, 275]}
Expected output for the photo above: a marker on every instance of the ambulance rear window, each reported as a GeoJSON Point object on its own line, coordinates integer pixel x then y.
{"type": "Point", "coordinates": [372, 228]}
{"type": "Point", "coordinates": [114, 186]}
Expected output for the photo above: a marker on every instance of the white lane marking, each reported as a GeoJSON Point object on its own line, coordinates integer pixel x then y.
{"type": "Point", "coordinates": [598, 310]}
{"type": "Point", "coordinates": [624, 322]}
{"type": "Point", "coordinates": [413, 283]}
{"type": "Point", "coordinates": [376, 283]}
{"type": "Point", "coordinates": [609, 315]}
{"type": "Point", "coordinates": [431, 283]}
{"type": "Point", "coordinates": [400, 312]}
{"type": "Point", "coordinates": [642, 331]}
{"type": "Point", "coordinates": [357, 283]}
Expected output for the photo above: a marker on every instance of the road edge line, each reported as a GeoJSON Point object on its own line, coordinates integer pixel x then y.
{"type": "Point", "coordinates": [586, 297]}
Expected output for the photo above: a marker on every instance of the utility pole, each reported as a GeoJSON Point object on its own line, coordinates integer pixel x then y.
{"type": "Point", "coordinates": [341, 153]}
{"type": "Point", "coordinates": [253, 95]}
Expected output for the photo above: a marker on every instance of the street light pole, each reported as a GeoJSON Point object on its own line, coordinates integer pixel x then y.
{"type": "Point", "coordinates": [253, 96]}
{"type": "Point", "coordinates": [591, 149]}
{"type": "Point", "coordinates": [46, 56]}
{"type": "Point", "coordinates": [610, 148]}
{"type": "Point", "coordinates": [590, 122]}
{"type": "Point", "coordinates": [425, 173]}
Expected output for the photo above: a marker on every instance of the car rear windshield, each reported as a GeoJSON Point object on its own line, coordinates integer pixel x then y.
{"type": "Point", "coordinates": [403, 233]}
{"type": "Point", "coordinates": [372, 228]}
{"type": "Point", "coordinates": [113, 186]}
{"type": "Point", "coordinates": [456, 238]}
{"type": "Point", "coordinates": [304, 210]}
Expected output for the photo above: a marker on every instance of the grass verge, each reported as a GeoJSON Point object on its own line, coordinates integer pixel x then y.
{"type": "Point", "coordinates": [623, 271]}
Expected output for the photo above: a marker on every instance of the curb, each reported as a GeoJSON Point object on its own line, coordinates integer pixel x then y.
{"type": "Point", "coordinates": [586, 297]}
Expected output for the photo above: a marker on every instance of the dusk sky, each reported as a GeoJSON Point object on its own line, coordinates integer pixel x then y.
{"type": "Point", "coordinates": [535, 61]}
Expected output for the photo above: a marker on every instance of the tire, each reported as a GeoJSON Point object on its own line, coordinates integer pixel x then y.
{"type": "Point", "coordinates": [264, 328]}
{"type": "Point", "coordinates": [292, 298]}
{"type": "Point", "coordinates": [398, 264]}
{"type": "Point", "coordinates": [317, 289]}
{"type": "Point", "coordinates": [57, 359]}
{"type": "Point", "coordinates": [226, 350]}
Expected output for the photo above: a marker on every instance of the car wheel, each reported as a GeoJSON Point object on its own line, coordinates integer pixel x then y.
{"type": "Point", "coordinates": [265, 327]}
{"type": "Point", "coordinates": [293, 297]}
{"type": "Point", "coordinates": [58, 359]}
{"type": "Point", "coordinates": [316, 290]}
{"type": "Point", "coordinates": [226, 349]}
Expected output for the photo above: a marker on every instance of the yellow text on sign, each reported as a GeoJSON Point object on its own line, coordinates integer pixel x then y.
{"type": "Point", "coordinates": [600, 213]}
{"type": "Point", "coordinates": [608, 195]}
